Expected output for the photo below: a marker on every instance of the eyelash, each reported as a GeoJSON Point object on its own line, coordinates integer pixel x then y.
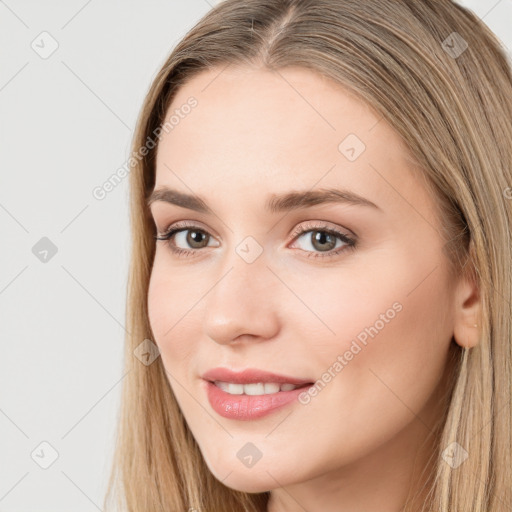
{"type": "Point", "coordinates": [350, 243]}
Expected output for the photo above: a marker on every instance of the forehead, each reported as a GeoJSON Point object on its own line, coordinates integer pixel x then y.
{"type": "Point", "coordinates": [293, 108]}
{"type": "Point", "coordinates": [253, 126]}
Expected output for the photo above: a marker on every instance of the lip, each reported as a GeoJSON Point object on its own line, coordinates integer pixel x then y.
{"type": "Point", "coordinates": [249, 407]}
{"type": "Point", "coordinates": [251, 376]}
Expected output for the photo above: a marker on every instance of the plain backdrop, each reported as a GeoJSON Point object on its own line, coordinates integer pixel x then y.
{"type": "Point", "coordinates": [67, 118]}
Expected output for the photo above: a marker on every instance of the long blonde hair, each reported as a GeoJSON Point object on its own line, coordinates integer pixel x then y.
{"type": "Point", "coordinates": [452, 105]}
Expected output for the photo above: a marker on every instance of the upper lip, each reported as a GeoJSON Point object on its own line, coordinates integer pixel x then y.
{"type": "Point", "coordinates": [251, 376]}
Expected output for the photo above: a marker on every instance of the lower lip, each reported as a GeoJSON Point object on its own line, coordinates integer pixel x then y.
{"type": "Point", "coordinates": [249, 407]}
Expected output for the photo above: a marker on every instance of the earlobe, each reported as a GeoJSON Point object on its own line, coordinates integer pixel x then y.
{"type": "Point", "coordinates": [466, 330]}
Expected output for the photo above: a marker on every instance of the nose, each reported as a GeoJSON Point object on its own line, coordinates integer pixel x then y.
{"type": "Point", "coordinates": [243, 303]}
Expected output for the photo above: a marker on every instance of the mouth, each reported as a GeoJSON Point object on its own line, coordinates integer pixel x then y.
{"type": "Point", "coordinates": [252, 381]}
{"type": "Point", "coordinates": [251, 401]}
{"type": "Point", "coordinates": [257, 388]}
{"type": "Point", "coordinates": [251, 394]}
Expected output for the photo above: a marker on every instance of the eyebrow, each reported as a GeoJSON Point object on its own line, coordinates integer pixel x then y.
{"type": "Point", "coordinates": [275, 203]}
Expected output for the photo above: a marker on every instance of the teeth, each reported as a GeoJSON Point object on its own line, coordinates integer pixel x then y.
{"type": "Point", "coordinates": [232, 389]}
{"type": "Point", "coordinates": [259, 388]}
{"type": "Point", "coordinates": [270, 388]}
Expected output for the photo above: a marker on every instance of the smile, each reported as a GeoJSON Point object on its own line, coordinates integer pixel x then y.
{"type": "Point", "coordinates": [258, 388]}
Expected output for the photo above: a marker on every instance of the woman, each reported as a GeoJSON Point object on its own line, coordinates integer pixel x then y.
{"type": "Point", "coordinates": [320, 290]}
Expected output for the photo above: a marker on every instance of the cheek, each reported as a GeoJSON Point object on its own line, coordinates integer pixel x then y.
{"type": "Point", "coordinates": [171, 304]}
{"type": "Point", "coordinates": [339, 305]}
{"type": "Point", "coordinates": [394, 304]}
{"type": "Point", "coordinates": [390, 312]}
{"type": "Point", "coordinates": [392, 331]}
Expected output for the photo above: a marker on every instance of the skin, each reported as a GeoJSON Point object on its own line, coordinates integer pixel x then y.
{"type": "Point", "coordinates": [354, 446]}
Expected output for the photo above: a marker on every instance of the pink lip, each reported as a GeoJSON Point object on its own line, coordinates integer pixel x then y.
{"type": "Point", "coordinates": [249, 407]}
{"type": "Point", "coordinates": [251, 376]}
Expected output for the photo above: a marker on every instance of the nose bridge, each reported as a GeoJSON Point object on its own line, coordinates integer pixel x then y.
{"type": "Point", "coordinates": [239, 302]}
{"type": "Point", "coordinates": [244, 268]}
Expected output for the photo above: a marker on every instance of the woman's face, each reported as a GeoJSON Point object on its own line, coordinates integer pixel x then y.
{"type": "Point", "coordinates": [354, 296]}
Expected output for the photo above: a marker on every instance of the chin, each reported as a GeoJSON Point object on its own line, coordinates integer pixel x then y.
{"type": "Point", "coordinates": [250, 480]}
{"type": "Point", "coordinates": [247, 483]}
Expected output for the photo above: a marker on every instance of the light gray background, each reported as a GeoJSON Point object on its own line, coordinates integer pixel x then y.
{"type": "Point", "coordinates": [66, 125]}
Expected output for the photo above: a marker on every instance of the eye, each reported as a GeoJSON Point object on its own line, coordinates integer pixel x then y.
{"type": "Point", "coordinates": [323, 239]}
{"type": "Point", "coordinates": [191, 236]}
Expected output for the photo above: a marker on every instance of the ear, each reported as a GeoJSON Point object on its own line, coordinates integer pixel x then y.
{"type": "Point", "coordinates": [467, 310]}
